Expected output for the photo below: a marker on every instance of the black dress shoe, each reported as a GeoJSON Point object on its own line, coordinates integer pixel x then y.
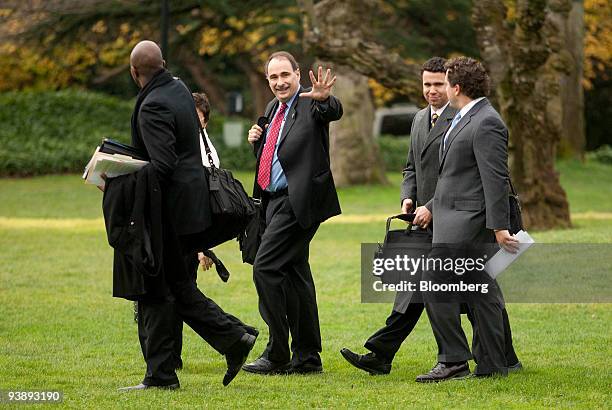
{"type": "Point", "coordinates": [148, 386]}
{"type": "Point", "coordinates": [515, 367]}
{"type": "Point", "coordinates": [306, 368]}
{"type": "Point", "coordinates": [367, 362]}
{"type": "Point", "coordinates": [237, 355]}
{"type": "Point", "coordinates": [442, 372]}
{"type": "Point", "coordinates": [265, 366]}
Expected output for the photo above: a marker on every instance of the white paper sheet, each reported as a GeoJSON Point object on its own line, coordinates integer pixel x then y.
{"type": "Point", "coordinates": [113, 165]}
{"type": "Point", "coordinates": [502, 259]}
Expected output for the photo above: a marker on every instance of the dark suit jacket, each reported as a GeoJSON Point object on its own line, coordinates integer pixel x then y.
{"type": "Point", "coordinates": [165, 124]}
{"type": "Point", "coordinates": [471, 197]}
{"type": "Point", "coordinates": [304, 155]}
{"type": "Point", "coordinates": [423, 164]}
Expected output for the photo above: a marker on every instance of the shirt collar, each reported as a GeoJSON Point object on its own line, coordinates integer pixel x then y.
{"type": "Point", "coordinates": [469, 106]}
{"type": "Point", "coordinates": [438, 111]}
{"type": "Point", "coordinates": [290, 102]}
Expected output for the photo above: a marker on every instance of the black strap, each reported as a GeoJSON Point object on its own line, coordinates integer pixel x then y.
{"type": "Point", "coordinates": [206, 147]}
{"type": "Point", "coordinates": [202, 135]}
{"type": "Point", "coordinates": [512, 187]}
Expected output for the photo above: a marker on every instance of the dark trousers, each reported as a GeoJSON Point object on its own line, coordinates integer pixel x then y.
{"type": "Point", "coordinates": [489, 341]}
{"type": "Point", "coordinates": [287, 298]}
{"type": "Point", "coordinates": [387, 341]}
{"type": "Point", "coordinates": [157, 321]}
{"type": "Point", "coordinates": [192, 263]}
{"type": "Point", "coordinates": [486, 312]}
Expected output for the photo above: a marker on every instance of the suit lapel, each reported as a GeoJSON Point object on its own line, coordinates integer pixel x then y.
{"type": "Point", "coordinates": [440, 128]}
{"type": "Point", "coordinates": [290, 118]}
{"type": "Point", "coordinates": [465, 120]}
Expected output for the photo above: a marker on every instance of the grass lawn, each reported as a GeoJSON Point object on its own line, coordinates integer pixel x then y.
{"type": "Point", "coordinates": [60, 329]}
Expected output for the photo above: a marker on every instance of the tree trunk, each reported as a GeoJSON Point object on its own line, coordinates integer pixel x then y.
{"type": "Point", "coordinates": [260, 91]}
{"type": "Point", "coordinates": [205, 81]}
{"type": "Point", "coordinates": [573, 139]}
{"type": "Point", "coordinates": [355, 158]}
{"type": "Point", "coordinates": [527, 64]}
{"type": "Point", "coordinates": [337, 30]}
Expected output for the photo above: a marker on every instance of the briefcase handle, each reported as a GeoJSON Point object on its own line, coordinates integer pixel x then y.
{"type": "Point", "coordinates": [404, 217]}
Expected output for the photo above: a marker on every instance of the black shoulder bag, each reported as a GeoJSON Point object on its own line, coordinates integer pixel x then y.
{"type": "Point", "coordinates": [515, 222]}
{"type": "Point", "coordinates": [231, 208]}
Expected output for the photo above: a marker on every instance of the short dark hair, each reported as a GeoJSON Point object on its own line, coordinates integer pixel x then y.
{"type": "Point", "coordinates": [471, 76]}
{"type": "Point", "coordinates": [282, 54]}
{"type": "Point", "coordinates": [434, 65]}
{"type": "Point", "coordinates": [202, 104]}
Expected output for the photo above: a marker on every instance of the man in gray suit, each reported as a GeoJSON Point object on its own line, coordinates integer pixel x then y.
{"type": "Point", "coordinates": [418, 186]}
{"type": "Point", "coordinates": [470, 207]}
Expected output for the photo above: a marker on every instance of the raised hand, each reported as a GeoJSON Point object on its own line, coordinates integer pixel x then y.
{"type": "Point", "coordinates": [321, 86]}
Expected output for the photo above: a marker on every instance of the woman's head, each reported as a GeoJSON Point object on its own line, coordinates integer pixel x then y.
{"type": "Point", "coordinates": [202, 107]}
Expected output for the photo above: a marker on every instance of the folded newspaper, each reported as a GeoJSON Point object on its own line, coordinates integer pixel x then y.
{"type": "Point", "coordinates": [111, 165]}
{"type": "Point", "coordinates": [502, 259]}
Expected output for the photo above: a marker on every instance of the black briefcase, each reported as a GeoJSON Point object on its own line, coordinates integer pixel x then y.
{"type": "Point", "coordinates": [412, 241]}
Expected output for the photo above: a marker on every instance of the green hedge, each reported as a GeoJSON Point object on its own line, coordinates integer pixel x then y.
{"type": "Point", "coordinates": [56, 132]}
{"type": "Point", "coordinates": [603, 155]}
{"type": "Point", "coordinates": [394, 151]}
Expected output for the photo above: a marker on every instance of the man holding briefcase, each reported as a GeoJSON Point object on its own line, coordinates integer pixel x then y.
{"type": "Point", "coordinates": [420, 179]}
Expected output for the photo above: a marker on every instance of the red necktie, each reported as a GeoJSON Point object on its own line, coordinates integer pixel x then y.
{"type": "Point", "coordinates": [265, 162]}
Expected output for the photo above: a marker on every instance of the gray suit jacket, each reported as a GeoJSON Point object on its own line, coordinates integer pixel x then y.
{"type": "Point", "coordinates": [422, 166]}
{"type": "Point", "coordinates": [471, 197]}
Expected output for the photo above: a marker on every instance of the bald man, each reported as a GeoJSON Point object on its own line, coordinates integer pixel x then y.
{"type": "Point", "coordinates": [165, 126]}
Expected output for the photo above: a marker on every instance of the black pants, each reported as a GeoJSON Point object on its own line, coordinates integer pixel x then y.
{"type": "Point", "coordinates": [157, 322]}
{"type": "Point", "coordinates": [192, 263]}
{"type": "Point", "coordinates": [287, 298]}
{"type": "Point", "coordinates": [386, 341]}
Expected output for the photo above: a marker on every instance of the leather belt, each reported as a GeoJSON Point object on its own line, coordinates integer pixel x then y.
{"type": "Point", "coordinates": [277, 194]}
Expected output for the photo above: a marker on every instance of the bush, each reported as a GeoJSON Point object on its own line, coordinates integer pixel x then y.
{"type": "Point", "coordinates": [394, 152]}
{"type": "Point", "coordinates": [56, 132]}
{"type": "Point", "coordinates": [603, 155]}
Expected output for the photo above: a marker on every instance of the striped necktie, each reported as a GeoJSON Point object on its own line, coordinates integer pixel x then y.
{"type": "Point", "coordinates": [434, 118]}
{"type": "Point", "coordinates": [265, 162]}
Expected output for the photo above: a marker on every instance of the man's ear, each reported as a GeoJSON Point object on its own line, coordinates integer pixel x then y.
{"type": "Point", "coordinates": [297, 72]}
{"type": "Point", "coordinates": [164, 63]}
{"type": "Point", "coordinates": [135, 75]}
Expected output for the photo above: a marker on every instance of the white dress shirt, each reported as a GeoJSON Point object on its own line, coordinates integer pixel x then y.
{"type": "Point", "coordinates": [213, 151]}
